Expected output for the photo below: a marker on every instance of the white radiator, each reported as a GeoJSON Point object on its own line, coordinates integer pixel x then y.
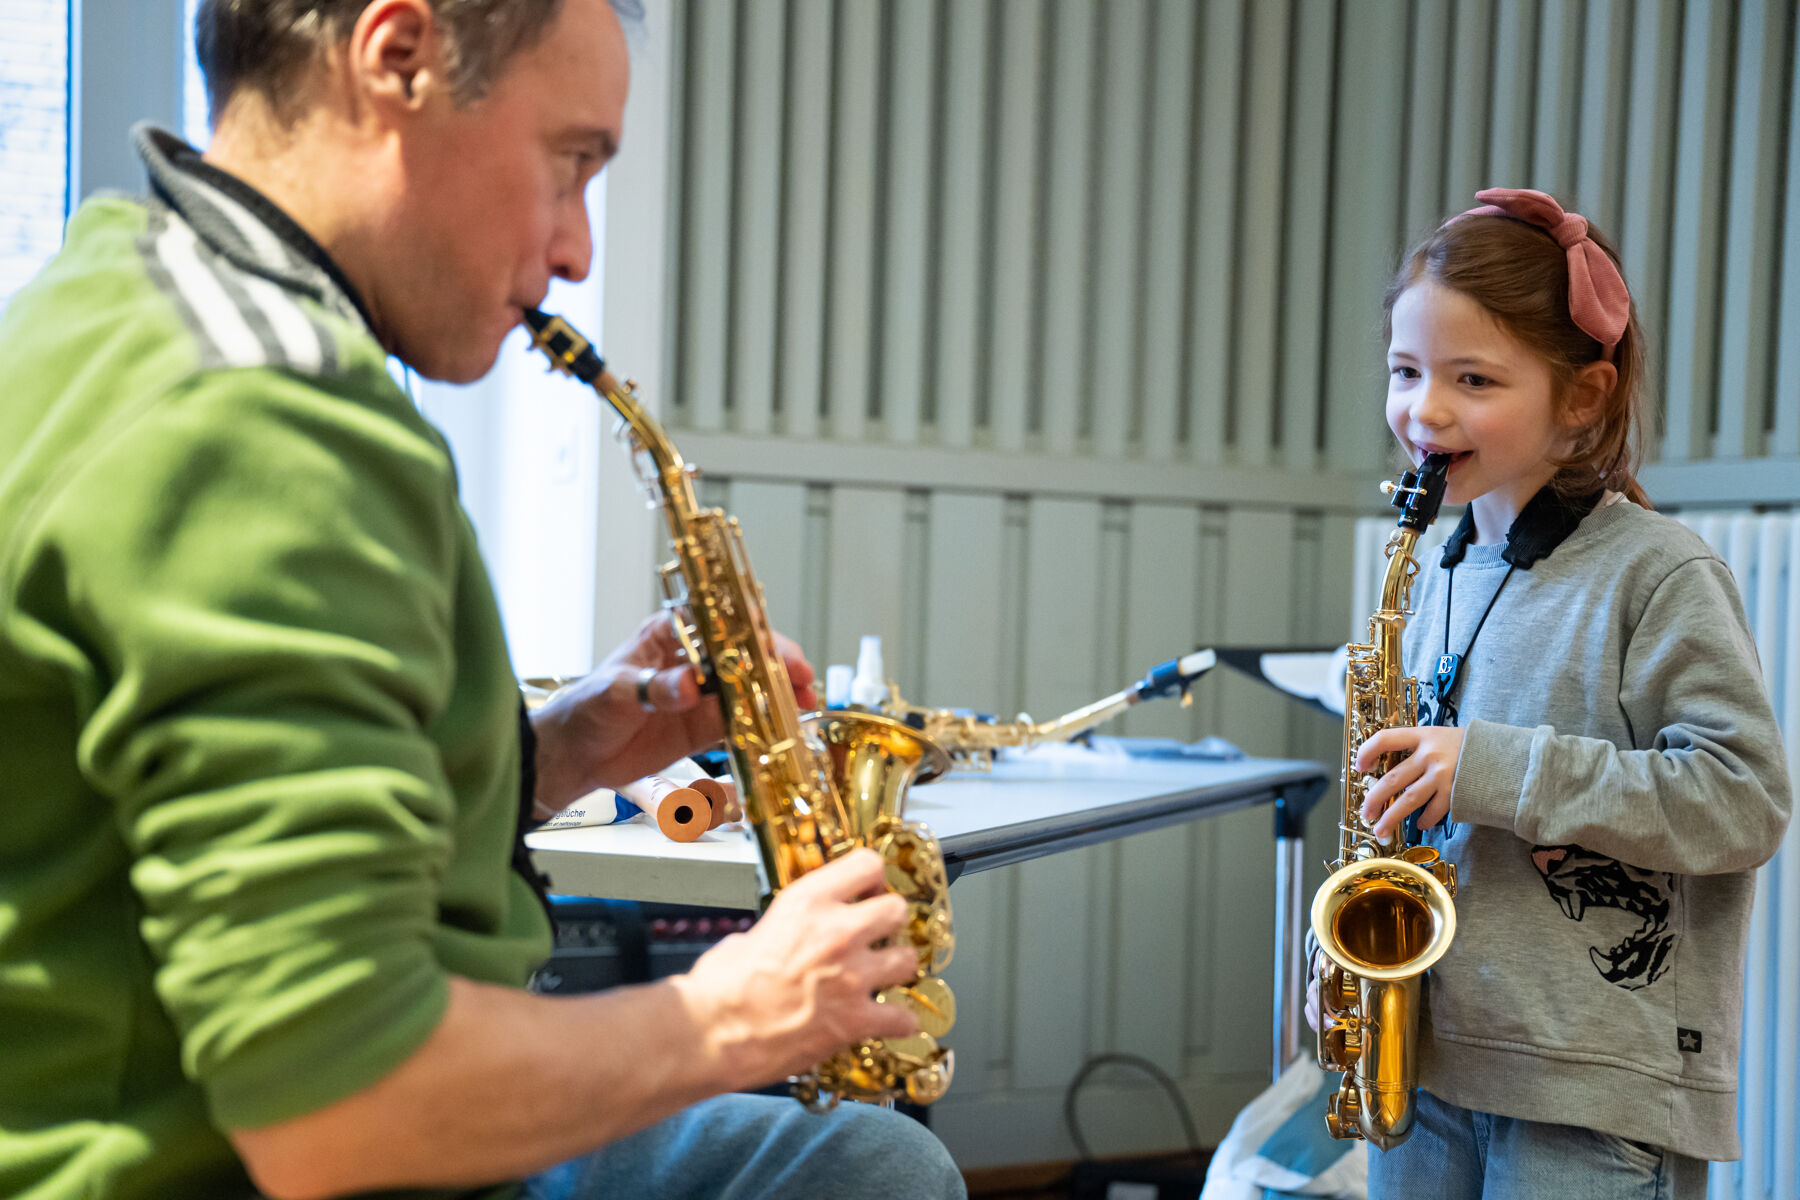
{"type": "Point", "coordinates": [1763, 551]}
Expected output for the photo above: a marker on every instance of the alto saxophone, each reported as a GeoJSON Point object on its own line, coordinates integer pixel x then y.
{"type": "Point", "coordinates": [974, 742]}
{"type": "Point", "coordinates": [814, 789]}
{"type": "Point", "coordinates": [1385, 915]}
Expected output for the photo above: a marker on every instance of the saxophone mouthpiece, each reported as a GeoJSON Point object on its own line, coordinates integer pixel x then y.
{"type": "Point", "coordinates": [1421, 492]}
{"type": "Point", "coordinates": [566, 349]}
{"type": "Point", "coordinates": [1176, 676]}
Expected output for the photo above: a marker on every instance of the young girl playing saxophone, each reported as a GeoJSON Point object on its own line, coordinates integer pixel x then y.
{"type": "Point", "coordinates": [1597, 755]}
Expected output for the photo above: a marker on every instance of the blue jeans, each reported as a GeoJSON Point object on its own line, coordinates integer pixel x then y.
{"type": "Point", "coordinates": [739, 1147]}
{"type": "Point", "coordinates": [1455, 1154]}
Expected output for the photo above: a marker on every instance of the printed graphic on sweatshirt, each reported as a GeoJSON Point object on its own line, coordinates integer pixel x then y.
{"type": "Point", "coordinates": [1579, 879]}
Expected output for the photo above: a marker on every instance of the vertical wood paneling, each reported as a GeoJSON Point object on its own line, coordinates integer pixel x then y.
{"type": "Point", "coordinates": [1067, 205]}
{"type": "Point", "coordinates": [804, 231]}
{"type": "Point", "coordinates": [1162, 620]}
{"type": "Point", "coordinates": [868, 529]}
{"type": "Point", "coordinates": [907, 667]}
{"type": "Point", "coordinates": [1206, 890]}
{"type": "Point", "coordinates": [1051, 1040]}
{"type": "Point", "coordinates": [1251, 418]}
{"type": "Point", "coordinates": [1327, 617]}
{"type": "Point", "coordinates": [1166, 228]}
{"type": "Point", "coordinates": [1366, 190]}
{"type": "Point", "coordinates": [712, 95]}
{"type": "Point", "coordinates": [1012, 364]}
{"type": "Point", "coordinates": [1151, 939]}
{"type": "Point", "coordinates": [1061, 605]}
{"type": "Point", "coordinates": [1605, 84]}
{"type": "Point", "coordinates": [816, 564]}
{"type": "Point", "coordinates": [1470, 100]}
{"type": "Point", "coordinates": [1259, 567]}
{"type": "Point", "coordinates": [1050, 1003]}
{"type": "Point", "coordinates": [773, 518]}
{"type": "Point", "coordinates": [1784, 437]}
{"type": "Point", "coordinates": [1747, 322]}
{"type": "Point", "coordinates": [1697, 237]}
{"type": "Point", "coordinates": [964, 612]}
{"type": "Point", "coordinates": [1649, 176]}
{"type": "Point", "coordinates": [1112, 580]}
{"type": "Point", "coordinates": [906, 319]}
{"type": "Point", "coordinates": [1154, 932]}
{"type": "Point", "coordinates": [1306, 234]}
{"type": "Point", "coordinates": [1560, 70]}
{"type": "Point", "coordinates": [966, 619]}
{"type": "Point", "coordinates": [962, 236]}
{"type": "Point", "coordinates": [1515, 92]}
{"type": "Point", "coordinates": [1213, 279]}
{"type": "Point", "coordinates": [981, 907]}
{"type": "Point", "coordinates": [1427, 116]}
{"type": "Point", "coordinates": [855, 172]}
{"type": "Point", "coordinates": [756, 236]}
{"type": "Point", "coordinates": [1113, 319]}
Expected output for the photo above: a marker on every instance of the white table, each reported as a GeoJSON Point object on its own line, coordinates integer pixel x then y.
{"type": "Point", "coordinates": [1055, 799]}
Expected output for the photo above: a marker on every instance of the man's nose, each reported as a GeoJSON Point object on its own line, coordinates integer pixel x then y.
{"type": "Point", "coordinates": [572, 243]}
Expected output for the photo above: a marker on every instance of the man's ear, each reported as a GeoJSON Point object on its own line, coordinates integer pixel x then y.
{"type": "Point", "coordinates": [1588, 393]}
{"type": "Point", "coordinates": [397, 53]}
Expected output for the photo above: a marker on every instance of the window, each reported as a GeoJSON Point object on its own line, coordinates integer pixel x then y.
{"type": "Point", "coordinates": [194, 125]}
{"type": "Point", "coordinates": [34, 136]}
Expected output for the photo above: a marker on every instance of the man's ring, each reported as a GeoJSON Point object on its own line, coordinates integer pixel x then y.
{"type": "Point", "coordinates": [644, 676]}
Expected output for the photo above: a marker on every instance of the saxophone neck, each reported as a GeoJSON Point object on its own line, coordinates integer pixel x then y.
{"type": "Point", "coordinates": [569, 352]}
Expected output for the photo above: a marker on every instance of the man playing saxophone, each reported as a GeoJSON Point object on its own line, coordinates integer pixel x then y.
{"type": "Point", "coordinates": [264, 919]}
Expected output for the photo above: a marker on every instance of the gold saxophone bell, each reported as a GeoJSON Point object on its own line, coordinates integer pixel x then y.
{"type": "Point", "coordinates": [1383, 922]}
{"type": "Point", "coordinates": [872, 761]}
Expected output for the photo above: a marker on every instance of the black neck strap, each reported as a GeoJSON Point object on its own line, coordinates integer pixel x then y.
{"type": "Point", "coordinates": [1542, 525]}
{"type": "Point", "coordinates": [1449, 666]}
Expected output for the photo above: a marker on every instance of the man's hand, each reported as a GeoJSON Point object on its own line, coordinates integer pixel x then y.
{"type": "Point", "coordinates": [595, 733]}
{"type": "Point", "coordinates": [800, 985]}
{"type": "Point", "coordinates": [1421, 780]}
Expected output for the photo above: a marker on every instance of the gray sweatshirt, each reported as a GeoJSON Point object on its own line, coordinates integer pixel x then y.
{"type": "Point", "coordinates": [1621, 778]}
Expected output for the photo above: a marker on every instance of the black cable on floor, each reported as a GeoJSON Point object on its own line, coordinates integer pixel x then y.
{"type": "Point", "coordinates": [1147, 1067]}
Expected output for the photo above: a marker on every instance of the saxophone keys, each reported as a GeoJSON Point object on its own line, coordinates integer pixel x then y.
{"type": "Point", "coordinates": [930, 1001]}
{"type": "Point", "coordinates": [929, 1083]}
{"type": "Point", "coordinates": [1342, 1114]}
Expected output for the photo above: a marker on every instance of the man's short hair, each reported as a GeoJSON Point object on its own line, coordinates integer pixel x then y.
{"type": "Point", "coordinates": [268, 45]}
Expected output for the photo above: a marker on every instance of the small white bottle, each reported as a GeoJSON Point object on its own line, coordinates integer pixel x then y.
{"type": "Point", "coordinates": [870, 684]}
{"type": "Point", "coordinates": [837, 684]}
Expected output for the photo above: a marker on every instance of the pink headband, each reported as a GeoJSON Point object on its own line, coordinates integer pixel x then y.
{"type": "Point", "coordinates": [1599, 304]}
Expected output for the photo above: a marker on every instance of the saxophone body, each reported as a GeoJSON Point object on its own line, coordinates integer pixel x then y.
{"type": "Point", "coordinates": [814, 788]}
{"type": "Point", "coordinates": [974, 742]}
{"type": "Point", "coordinates": [1385, 914]}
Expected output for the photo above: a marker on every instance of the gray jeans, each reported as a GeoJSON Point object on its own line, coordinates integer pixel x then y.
{"type": "Point", "coordinates": [739, 1147]}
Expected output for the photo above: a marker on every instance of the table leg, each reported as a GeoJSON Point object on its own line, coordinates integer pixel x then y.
{"type": "Point", "coordinates": [1290, 921]}
{"type": "Point", "coordinates": [1290, 951]}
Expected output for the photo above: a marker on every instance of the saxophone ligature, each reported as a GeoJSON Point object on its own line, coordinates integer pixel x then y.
{"type": "Point", "coordinates": [813, 788]}
{"type": "Point", "coordinates": [975, 741]}
{"type": "Point", "coordinates": [1385, 914]}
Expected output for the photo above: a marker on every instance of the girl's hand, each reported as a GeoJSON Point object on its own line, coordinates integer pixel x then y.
{"type": "Point", "coordinates": [1312, 992]}
{"type": "Point", "coordinates": [1421, 781]}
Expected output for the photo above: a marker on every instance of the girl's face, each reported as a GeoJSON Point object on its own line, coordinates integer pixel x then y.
{"type": "Point", "coordinates": [1460, 384]}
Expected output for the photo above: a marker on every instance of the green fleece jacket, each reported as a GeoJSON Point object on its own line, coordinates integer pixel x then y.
{"type": "Point", "coordinates": [259, 748]}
